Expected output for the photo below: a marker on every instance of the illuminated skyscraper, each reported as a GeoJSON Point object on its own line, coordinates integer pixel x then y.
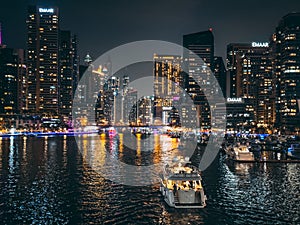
{"type": "Point", "coordinates": [76, 75]}
{"type": "Point", "coordinates": [8, 81]}
{"type": "Point", "coordinates": [234, 53]}
{"type": "Point", "coordinates": [286, 53]}
{"type": "Point", "coordinates": [42, 59]}
{"type": "Point", "coordinates": [200, 45]}
{"type": "Point", "coordinates": [22, 81]}
{"type": "Point", "coordinates": [121, 100]}
{"type": "Point", "coordinates": [13, 80]}
{"type": "Point", "coordinates": [167, 84]}
{"type": "Point", "coordinates": [251, 78]}
{"type": "Point", "coordinates": [112, 109]}
{"type": "Point", "coordinates": [68, 71]}
{"type": "Point", "coordinates": [130, 107]}
{"type": "Point", "coordinates": [258, 86]}
{"type": "Point", "coordinates": [125, 85]}
{"type": "Point", "coordinates": [144, 108]}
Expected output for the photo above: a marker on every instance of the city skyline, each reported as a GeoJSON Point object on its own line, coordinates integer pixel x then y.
{"type": "Point", "coordinates": [234, 23]}
{"type": "Point", "coordinates": [255, 73]}
{"type": "Point", "coordinates": [147, 112]}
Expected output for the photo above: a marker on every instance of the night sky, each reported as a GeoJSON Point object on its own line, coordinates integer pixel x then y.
{"type": "Point", "coordinates": [104, 24]}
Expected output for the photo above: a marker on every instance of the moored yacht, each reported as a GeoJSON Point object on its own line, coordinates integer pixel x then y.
{"type": "Point", "coordinates": [239, 153]}
{"type": "Point", "coordinates": [181, 185]}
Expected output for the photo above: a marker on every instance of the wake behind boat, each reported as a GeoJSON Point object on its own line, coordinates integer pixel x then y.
{"type": "Point", "coordinates": [181, 185]}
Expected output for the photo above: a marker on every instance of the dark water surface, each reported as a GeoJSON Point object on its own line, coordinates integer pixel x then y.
{"type": "Point", "coordinates": [47, 180]}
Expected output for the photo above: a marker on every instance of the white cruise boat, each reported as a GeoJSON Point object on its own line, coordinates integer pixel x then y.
{"type": "Point", "coordinates": [181, 185]}
{"type": "Point", "coordinates": [239, 153]}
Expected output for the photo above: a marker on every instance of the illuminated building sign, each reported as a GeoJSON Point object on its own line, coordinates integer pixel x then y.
{"type": "Point", "coordinates": [260, 44]}
{"type": "Point", "coordinates": [44, 10]}
{"type": "Point", "coordinates": [235, 100]}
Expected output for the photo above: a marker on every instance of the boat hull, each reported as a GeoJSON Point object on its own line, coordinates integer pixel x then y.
{"type": "Point", "coordinates": [192, 200]}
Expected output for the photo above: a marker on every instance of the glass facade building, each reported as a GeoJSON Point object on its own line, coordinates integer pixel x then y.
{"type": "Point", "coordinates": [42, 59]}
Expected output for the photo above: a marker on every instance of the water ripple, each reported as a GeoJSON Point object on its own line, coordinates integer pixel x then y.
{"type": "Point", "coordinates": [48, 181]}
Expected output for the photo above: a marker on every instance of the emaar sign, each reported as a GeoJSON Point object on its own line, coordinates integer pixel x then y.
{"type": "Point", "coordinates": [260, 44]}
{"type": "Point", "coordinates": [44, 10]}
{"type": "Point", "coordinates": [235, 100]}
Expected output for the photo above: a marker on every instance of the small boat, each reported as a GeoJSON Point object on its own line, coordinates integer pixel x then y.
{"type": "Point", "coordinates": [294, 151]}
{"type": "Point", "coordinates": [181, 185]}
{"type": "Point", "coordinates": [239, 153]}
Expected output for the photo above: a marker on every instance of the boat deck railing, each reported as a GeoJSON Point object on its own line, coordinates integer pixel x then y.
{"type": "Point", "coordinates": [184, 176]}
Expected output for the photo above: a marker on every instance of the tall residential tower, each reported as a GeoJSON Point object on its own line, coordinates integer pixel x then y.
{"type": "Point", "coordinates": [42, 59]}
{"type": "Point", "coordinates": [199, 45]}
{"type": "Point", "coordinates": [286, 58]}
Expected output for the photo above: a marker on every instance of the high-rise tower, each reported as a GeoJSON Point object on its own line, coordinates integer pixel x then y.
{"type": "Point", "coordinates": [251, 78]}
{"type": "Point", "coordinates": [199, 45]}
{"type": "Point", "coordinates": [42, 59]}
{"type": "Point", "coordinates": [68, 72]}
{"type": "Point", "coordinates": [286, 58]}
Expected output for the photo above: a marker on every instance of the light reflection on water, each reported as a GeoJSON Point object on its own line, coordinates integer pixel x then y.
{"type": "Point", "coordinates": [101, 154]}
{"type": "Point", "coordinates": [45, 181]}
